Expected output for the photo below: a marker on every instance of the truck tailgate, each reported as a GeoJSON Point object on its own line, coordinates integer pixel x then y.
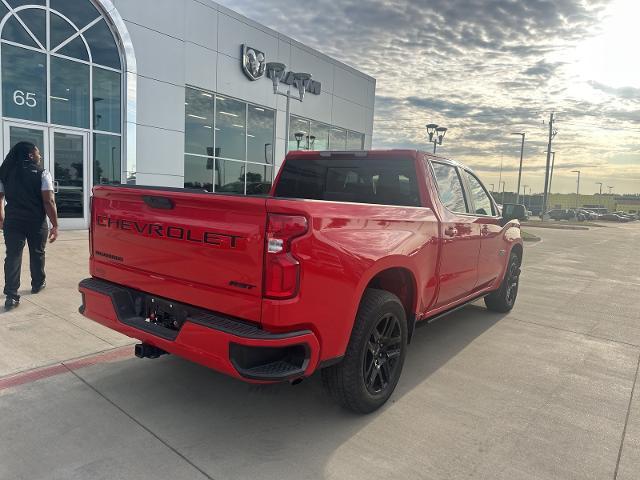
{"type": "Point", "coordinates": [201, 249]}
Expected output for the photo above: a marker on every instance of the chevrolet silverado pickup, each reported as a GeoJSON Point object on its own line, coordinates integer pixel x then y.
{"type": "Point", "coordinates": [331, 271]}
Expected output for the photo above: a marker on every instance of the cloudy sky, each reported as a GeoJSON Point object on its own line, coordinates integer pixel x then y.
{"type": "Point", "coordinates": [487, 68]}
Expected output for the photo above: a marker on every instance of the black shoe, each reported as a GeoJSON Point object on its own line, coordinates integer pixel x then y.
{"type": "Point", "coordinates": [39, 289]}
{"type": "Point", "coordinates": [11, 303]}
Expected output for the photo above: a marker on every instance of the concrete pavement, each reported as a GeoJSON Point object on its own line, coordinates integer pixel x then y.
{"type": "Point", "coordinates": [546, 392]}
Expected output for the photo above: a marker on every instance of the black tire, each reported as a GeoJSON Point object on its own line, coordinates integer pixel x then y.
{"type": "Point", "coordinates": [369, 372]}
{"type": "Point", "coordinates": [503, 299]}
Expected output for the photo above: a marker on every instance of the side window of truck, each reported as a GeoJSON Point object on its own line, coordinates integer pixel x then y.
{"type": "Point", "coordinates": [479, 196]}
{"type": "Point", "coordinates": [450, 187]}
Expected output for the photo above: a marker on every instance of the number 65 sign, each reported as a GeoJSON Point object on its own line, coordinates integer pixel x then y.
{"type": "Point", "coordinates": [21, 98]}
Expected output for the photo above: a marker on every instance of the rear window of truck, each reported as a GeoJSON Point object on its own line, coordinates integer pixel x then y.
{"type": "Point", "coordinates": [358, 180]}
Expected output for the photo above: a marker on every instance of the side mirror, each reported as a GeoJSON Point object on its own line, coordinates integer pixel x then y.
{"type": "Point", "coordinates": [513, 211]}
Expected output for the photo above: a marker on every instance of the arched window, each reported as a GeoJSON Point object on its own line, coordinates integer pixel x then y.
{"type": "Point", "coordinates": [61, 66]}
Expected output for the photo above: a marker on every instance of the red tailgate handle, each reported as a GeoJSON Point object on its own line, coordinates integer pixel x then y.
{"type": "Point", "coordinates": [162, 203]}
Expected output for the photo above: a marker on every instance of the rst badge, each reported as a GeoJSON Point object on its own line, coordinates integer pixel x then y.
{"type": "Point", "coordinates": [253, 62]}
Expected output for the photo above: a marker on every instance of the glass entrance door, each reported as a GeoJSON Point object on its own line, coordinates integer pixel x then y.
{"type": "Point", "coordinates": [65, 155]}
{"type": "Point", "coordinates": [68, 166]}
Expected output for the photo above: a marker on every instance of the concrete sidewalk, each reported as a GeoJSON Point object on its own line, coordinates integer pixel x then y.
{"type": "Point", "coordinates": [546, 392]}
{"type": "Point", "coordinates": [46, 328]}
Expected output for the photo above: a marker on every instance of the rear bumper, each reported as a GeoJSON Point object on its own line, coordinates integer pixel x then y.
{"type": "Point", "coordinates": [221, 343]}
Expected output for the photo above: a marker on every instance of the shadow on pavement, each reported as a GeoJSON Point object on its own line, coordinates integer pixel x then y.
{"type": "Point", "coordinates": [232, 429]}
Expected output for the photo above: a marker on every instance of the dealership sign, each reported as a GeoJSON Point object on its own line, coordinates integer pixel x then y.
{"type": "Point", "coordinates": [254, 64]}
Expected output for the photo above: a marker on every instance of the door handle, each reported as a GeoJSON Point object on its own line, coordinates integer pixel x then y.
{"type": "Point", "coordinates": [56, 187]}
{"type": "Point", "coordinates": [484, 230]}
{"type": "Point", "coordinates": [451, 232]}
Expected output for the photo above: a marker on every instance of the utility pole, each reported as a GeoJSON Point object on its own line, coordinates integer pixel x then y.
{"type": "Point", "coordinates": [520, 169]}
{"type": "Point", "coordinates": [553, 164]}
{"type": "Point", "coordinates": [552, 133]}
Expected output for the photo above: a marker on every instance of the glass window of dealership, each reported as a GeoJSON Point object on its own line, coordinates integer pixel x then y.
{"type": "Point", "coordinates": [229, 143]}
{"type": "Point", "coordinates": [61, 74]}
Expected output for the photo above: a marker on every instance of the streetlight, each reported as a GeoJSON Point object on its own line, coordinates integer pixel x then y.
{"type": "Point", "coordinates": [504, 184]}
{"type": "Point", "coordinates": [301, 81]}
{"type": "Point", "coordinates": [600, 183]}
{"type": "Point", "coordinates": [299, 136]}
{"type": "Point", "coordinates": [436, 135]}
{"type": "Point", "coordinates": [578, 189]}
{"type": "Point", "coordinates": [523, 134]}
{"type": "Point", "coordinates": [524, 188]}
{"type": "Point", "coordinates": [311, 141]}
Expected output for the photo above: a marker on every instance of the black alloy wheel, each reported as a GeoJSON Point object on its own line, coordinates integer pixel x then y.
{"type": "Point", "coordinates": [380, 359]}
{"type": "Point", "coordinates": [370, 369]}
{"type": "Point", "coordinates": [503, 299]}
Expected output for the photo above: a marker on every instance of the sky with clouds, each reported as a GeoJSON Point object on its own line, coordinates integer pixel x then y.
{"type": "Point", "coordinates": [486, 69]}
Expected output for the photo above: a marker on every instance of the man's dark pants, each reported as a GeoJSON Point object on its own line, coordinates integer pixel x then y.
{"type": "Point", "coordinates": [15, 235]}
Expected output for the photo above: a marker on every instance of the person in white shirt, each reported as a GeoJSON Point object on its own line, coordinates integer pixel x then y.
{"type": "Point", "coordinates": [28, 191]}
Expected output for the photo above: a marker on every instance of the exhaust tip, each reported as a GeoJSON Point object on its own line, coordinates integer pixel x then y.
{"type": "Point", "coordinates": [144, 350]}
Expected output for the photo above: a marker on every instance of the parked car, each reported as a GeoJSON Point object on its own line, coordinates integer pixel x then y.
{"type": "Point", "coordinates": [560, 214]}
{"type": "Point", "coordinates": [614, 217]}
{"type": "Point", "coordinates": [331, 271]}
{"type": "Point", "coordinates": [626, 215]}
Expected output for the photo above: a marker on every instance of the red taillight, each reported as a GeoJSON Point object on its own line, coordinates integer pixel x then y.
{"type": "Point", "coordinates": [281, 268]}
{"type": "Point", "coordinates": [91, 218]}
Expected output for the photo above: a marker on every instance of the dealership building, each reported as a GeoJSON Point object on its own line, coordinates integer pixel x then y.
{"type": "Point", "coordinates": [166, 92]}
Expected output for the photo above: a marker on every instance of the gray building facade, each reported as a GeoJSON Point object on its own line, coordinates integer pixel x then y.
{"type": "Point", "coordinates": [165, 92]}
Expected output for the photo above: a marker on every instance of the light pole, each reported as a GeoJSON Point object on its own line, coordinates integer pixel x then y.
{"type": "Point", "coordinates": [436, 135]}
{"type": "Point", "coordinates": [600, 183]}
{"type": "Point", "coordinates": [524, 193]}
{"type": "Point", "coordinates": [504, 184]}
{"type": "Point", "coordinates": [578, 189]}
{"type": "Point", "coordinates": [523, 134]}
{"type": "Point", "coordinates": [301, 81]}
{"type": "Point", "coordinates": [529, 198]}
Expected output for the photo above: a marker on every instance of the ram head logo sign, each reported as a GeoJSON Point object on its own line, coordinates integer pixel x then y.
{"type": "Point", "coordinates": [253, 62]}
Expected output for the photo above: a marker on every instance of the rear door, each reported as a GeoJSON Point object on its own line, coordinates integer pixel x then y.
{"type": "Point", "coordinates": [460, 237]}
{"type": "Point", "coordinates": [492, 250]}
{"type": "Point", "coordinates": [202, 249]}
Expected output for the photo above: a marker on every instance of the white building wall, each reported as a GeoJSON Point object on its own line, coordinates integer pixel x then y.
{"type": "Point", "coordinates": [198, 43]}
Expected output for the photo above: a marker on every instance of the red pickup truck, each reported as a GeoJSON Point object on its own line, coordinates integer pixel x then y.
{"type": "Point", "coordinates": [332, 270]}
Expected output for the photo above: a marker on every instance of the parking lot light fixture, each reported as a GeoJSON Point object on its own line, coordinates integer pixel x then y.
{"type": "Point", "coordinates": [436, 134]}
{"type": "Point", "coordinates": [600, 183]}
{"type": "Point", "coordinates": [276, 71]}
